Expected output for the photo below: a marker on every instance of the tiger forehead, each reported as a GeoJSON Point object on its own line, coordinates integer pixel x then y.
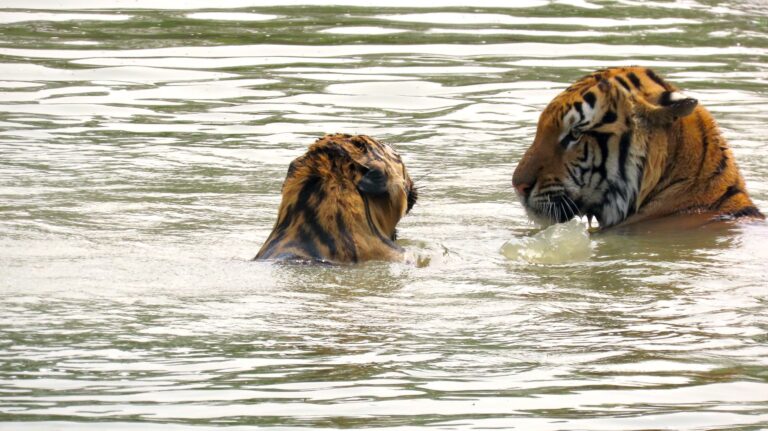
{"type": "Point", "coordinates": [559, 108]}
{"type": "Point", "coordinates": [639, 81]}
{"type": "Point", "coordinates": [575, 93]}
{"type": "Point", "coordinates": [636, 80]}
{"type": "Point", "coordinates": [362, 145]}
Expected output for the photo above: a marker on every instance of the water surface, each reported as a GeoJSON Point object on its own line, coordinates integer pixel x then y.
{"type": "Point", "coordinates": [142, 148]}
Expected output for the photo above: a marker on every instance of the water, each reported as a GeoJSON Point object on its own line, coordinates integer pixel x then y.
{"type": "Point", "coordinates": [557, 244]}
{"type": "Point", "coordinates": [142, 148]}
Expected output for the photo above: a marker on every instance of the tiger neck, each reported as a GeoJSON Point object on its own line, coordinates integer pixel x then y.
{"type": "Point", "coordinates": [327, 233]}
{"type": "Point", "coordinates": [380, 222]}
{"type": "Point", "coordinates": [690, 169]}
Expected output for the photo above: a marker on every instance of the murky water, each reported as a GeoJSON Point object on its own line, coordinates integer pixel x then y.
{"type": "Point", "coordinates": [142, 148]}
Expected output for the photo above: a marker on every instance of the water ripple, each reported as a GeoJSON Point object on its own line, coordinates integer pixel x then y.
{"type": "Point", "coordinates": [143, 149]}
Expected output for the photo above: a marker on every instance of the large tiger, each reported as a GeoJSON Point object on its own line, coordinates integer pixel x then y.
{"type": "Point", "coordinates": [623, 145]}
{"type": "Point", "coordinates": [341, 202]}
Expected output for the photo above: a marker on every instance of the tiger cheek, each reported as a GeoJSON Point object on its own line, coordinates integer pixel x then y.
{"type": "Point", "coordinates": [399, 192]}
{"type": "Point", "coordinates": [403, 203]}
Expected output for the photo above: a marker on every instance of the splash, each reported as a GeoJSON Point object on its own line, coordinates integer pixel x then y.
{"type": "Point", "coordinates": [560, 243]}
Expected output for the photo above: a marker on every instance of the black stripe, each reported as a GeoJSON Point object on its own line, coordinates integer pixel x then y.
{"type": "Point", "coordinates": [292, 168]}
{"type": "Point", "coordinates": [602, 142]}
{"type": "Point", "coordinates": [638, 181]}
{"type": "Point", "coordinates": [620, 190]}
{"type": "Point", "coordinates": [574, 177]}
{"type": "Point", "coordinates": [720, 167]}
{"type": "Point", "coordinates": [411, 198]}
{"type": "Point", "coordinates": [566, 140]}
{"type": "Point", "coordinates": [673, 182]}
{"type": "Point", "coordinates": [305, 241]}
{"type": "Point", "coordinates": [372, 226]}
{"type": "Point", "coordinates": [333, 151]}
{"type": "Point", "coordinates": [612, 193]}
{"type": "Point", "coordinates": [666, 98]}
{"type": "Point", "coordinates": [749, 211]}
{"type": "Point", "coordinates": [358, 141]}
{"type": "Point", "coordinates": [278, 233]}
{"type": "Point", "coordinates": [583, 174]}
{"type": "Point", "coordinates": [273, 243]}
{"type": "Point", "coordinates": [376, 154]}
{"type": "Point", "coordinates": [346, 237]}
{"type": "Point", "coordinates": [590, 98]}
{"type": "Point", "coordinates": [623, 82]}
{"type": "Point", "coordinates": [374, 148]}
{"type": "Point", "coordinates": [729, 193]}
{"type": "Point", "coordinates": [608, 118]}
{"type": "Point", "coordinates": [624, 144]}
{"type": "Point", "coordinates": [313, 227]}
{"type": "Point", "coordinates": [312, 230]}
{"type": "Point", "coordinates": [635, 80]}
{"type": "Point", "coordinates": [653, 195]}
{"type": "Point", "coordinates": [313, 186]}
{"type": "Point", "coordinates": [631, 206]}
{"type": "Point", "coordinates": [288, 216]}
{"type": "Point", "coordinates": [704, 142]}
{"type": "Point", "coordinates": [585, 155]}
{"type": "Point", "coordinates": [655, 78]}
{"type": "Point", "coordinates": [577, 105]}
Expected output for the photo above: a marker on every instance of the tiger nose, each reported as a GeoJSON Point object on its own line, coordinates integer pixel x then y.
{"type": "Point", "coordinates": [522, 189]}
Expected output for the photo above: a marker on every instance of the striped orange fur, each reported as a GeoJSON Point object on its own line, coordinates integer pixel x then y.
{"type": "Point", "coordinates": [623, 145]}
{"type": "Point", "coordinates": [341, 201]}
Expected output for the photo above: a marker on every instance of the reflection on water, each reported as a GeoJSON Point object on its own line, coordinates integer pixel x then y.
{"type": "Point", "coordinates": [142, 149]}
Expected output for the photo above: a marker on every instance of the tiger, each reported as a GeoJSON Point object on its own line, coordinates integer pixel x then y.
{"type": "Point", "coordinates": [341, 202]}
{"type": "Point", "coordinates": [623, 145]}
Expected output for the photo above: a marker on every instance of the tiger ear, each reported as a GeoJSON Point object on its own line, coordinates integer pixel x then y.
{"type": "Point", "coordinates": [672, 109]}
{"type": "Point", "coordinates": [374, 182]}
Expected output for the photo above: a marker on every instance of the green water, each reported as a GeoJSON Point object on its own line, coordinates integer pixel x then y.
{"type": "Point", "coordinates": [142, 149]}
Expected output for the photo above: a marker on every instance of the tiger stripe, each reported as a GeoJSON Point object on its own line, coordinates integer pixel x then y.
{"type": "Point", "coordinates": [642, 150]}
{"type": "Point", "coordinates": [341, 202]}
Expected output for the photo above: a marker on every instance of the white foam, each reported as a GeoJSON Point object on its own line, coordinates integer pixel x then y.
{"type": "Point", "coordinates": [560, 243]}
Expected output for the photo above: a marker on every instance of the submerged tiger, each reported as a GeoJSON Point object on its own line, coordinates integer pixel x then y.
{"type": "Point", "coordinates": [341, 201]}
{"type": "Point", "coordinates": [623, 145]}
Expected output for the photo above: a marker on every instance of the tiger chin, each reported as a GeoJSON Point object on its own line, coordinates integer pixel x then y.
{"type": "Point", "coordinates": [341, 201]}
{"type": "Point", "coordinates": [623, 145]}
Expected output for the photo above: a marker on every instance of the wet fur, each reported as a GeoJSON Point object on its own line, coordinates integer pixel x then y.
{"type": "Point", "coordinates": [341, 202]}
{"type": "Point", "coordinates": [622, 145]}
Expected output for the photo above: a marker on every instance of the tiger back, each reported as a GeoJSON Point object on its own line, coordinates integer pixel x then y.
{"type": "Point", "coordinates": [341, 201]}
{"type": "Point", "coordinates": [623, 145]}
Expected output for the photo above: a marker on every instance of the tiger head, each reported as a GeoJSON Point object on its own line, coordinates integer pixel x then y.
{"type": "Point", "coordinates": [593, 144]}
{"type": "Point", "coordinates": [341, 201]}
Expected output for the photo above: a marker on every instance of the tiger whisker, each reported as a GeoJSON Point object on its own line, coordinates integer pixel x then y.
{"type": "Point", "coordinates": [567, 210]}
{"type": "Point", "coordinates": [422, 176]}
{"type": "Point", "coordinates": [550, 210]}
{"type": "Point", "coordinates": [573, 206]}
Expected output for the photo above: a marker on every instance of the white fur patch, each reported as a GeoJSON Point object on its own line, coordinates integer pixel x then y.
{"type": "Point", "coordinates": [589, 113]}
{"type": "Point", "coordinates": [677, 95]}
{"type": "Point", "coordinates": [573, 118]}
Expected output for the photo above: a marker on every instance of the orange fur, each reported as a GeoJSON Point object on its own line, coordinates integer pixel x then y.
{"type": "Point", "coordinates": [623, 145]}
{"type": "Point", "coordinates": [341, 202]}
